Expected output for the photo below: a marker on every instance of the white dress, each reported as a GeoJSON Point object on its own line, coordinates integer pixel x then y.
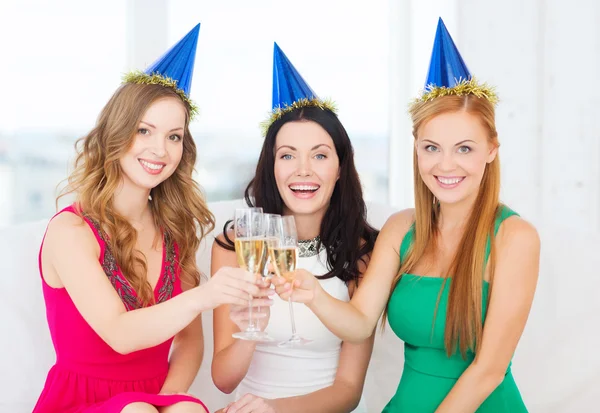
{"type": "Point", "coordinates": [284, 372]}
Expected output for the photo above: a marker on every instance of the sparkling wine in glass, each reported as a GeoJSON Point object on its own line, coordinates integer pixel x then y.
{"type": "Point", "coordinates": [283, 253]}
{"type": "Point", "coordinates": [250, 249]}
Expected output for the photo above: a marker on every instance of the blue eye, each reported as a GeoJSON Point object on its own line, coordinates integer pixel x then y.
{"type": "Point", "coordinates": [320, 156]}
{"type": "Point", "coordinates": [431, 148]}
{"type": "Point", "coordinates": [287, 156]}
{"type": "Point", "coordinates": [464, 149]}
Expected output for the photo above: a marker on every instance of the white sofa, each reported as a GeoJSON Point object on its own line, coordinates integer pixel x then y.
{"type": "Point", "coordinates": [557, 364]}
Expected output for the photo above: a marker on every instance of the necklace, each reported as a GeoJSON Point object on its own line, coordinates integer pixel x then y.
{"type": "Point", "coordinates": [308, 248]}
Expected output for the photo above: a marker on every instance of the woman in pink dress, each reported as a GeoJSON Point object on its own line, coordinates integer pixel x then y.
{"type": "Point", "coordinates": [118, 267]}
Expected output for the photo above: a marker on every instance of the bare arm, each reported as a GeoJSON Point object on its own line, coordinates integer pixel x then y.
{"type": "Point", "coordinates": [231, 357]}
{"type": "Point", "coordinates": [345, 392]}
{"type": "Point", "coordinates": [515, 281]}
{"type": "Point", "coordinates": [71, 252]}
{"type": "Point", "coordinates": [341, 397]}
{"type": "Point", "coordinates": [186, 356]}
{"type": "Point", "coordinates": [356, 320]}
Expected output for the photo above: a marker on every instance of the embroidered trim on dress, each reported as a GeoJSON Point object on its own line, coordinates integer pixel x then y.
{"type": "Point", "coordinates": [169, 273]}
{"type": "Point", "coordinates": [124, 289]}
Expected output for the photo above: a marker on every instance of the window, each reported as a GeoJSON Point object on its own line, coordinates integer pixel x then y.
{"type": "Point", "coordinates": [339, 47]}
{"type": "Point", "coordinates": [68, 60]}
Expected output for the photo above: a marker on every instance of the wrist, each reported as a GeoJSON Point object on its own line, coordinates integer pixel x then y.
{"type": "Point", "coordinates": [318, 297]}
{"type": "Point", "coordinates": [199, 300]}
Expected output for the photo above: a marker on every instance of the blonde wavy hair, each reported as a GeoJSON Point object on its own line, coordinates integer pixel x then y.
{"type": "Point", "coordinates": [177, 204]}
{"type": "Point", "coordinates": [464, 327]}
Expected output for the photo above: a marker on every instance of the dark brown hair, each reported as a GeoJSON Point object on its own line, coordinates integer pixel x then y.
{"type": "Point", "coordinates": [345, 232]}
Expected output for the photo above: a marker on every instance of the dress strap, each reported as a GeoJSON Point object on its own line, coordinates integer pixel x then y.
{"type": "Point", "coordinates": [407, 242]}
{"type": "Point", "coordinates": [502, 214]}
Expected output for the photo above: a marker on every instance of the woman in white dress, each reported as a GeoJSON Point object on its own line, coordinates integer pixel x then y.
{"type": "Point", "coordinates": [306, 169]}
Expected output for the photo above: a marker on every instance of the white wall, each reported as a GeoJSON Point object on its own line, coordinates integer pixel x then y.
{"type": "Point", "coordinates": [543, 56]}
{"type": "Point", "coordinates": [6, 182]}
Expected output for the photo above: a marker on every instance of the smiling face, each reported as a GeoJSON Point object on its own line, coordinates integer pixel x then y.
{"type": "Point", "coordinates": [453, 150]}
{"type": "Point", "coordinates": [306, 167]}
{"type": "Point", "coordinates": [157, 146]}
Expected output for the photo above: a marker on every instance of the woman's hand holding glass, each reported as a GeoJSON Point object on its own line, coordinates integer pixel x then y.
{"type": "Point", "coordinates": [251, 252]}
{"type": "Point", "coordinates": [303, 287]}
{"type": "Point", "coordinates": [282, 241]}
{"type": "Point", "coordinates": [261, 311]}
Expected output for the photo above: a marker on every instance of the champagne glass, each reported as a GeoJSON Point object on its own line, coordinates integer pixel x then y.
{"type": "Point", "coordinates": [270, 221]}
{"type": "Point", "coordinates": [272, 234]}
{"type": "Point", "coordinates": [282, 241]}
{"type": "Point", "coordinates": [250, 250]}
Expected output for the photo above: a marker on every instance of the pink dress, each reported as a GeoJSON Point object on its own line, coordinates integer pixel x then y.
{"type": "Point", "coordinates": [89, 376]}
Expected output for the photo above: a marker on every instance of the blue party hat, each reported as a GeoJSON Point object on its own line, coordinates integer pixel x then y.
{"type": "Point", "coordinates": [173, 69]}
{"type": "Point", "coordinates": [288, 85]}
{"type": "Point", "coordinates": [448, 74]}
{"type": "Point", "coordinates": [447, 66]}
{"type": "Point", "coordinates": [290, 90]}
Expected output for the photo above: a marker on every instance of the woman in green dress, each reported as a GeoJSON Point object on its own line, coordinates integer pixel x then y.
{"type": "Point", "coordinates": [455, 276]}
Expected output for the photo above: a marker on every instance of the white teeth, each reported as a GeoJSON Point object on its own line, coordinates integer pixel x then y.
{"type": "Point", "coordinates": [449, 181]}
{"type": "Point", "coordinates": [303, 187]}
{"type": "Point", "coordinates": [152, 166]}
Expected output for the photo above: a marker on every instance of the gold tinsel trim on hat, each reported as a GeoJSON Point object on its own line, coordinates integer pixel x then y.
{"type": "Point", "coordinates": [463, 87]}
{"type": "Point", "coordinates": [277, 113]}
{"type": "Point", "coordinates": [142, 78]}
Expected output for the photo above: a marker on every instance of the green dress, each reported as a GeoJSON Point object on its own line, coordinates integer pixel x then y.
{"type": "Point", "coordinates": [429, 374]}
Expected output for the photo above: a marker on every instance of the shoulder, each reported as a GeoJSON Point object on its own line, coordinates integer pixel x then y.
{"type": "Point", "coordinates": [398, 224]}
{"type": "Point", "coordinates": [394, 230]}
{"type": "Point", "coordinates": [67, 226]}
{"type": "Point", "coordinates": [518, 250]}
{"type": "Point", "coordinates": [401, 219]}
{"type": "Point", "coordinates": [69, 234]}
{"type": "Point", "coordinates": [517, 253]}
{"type": "Point", "coordinates": [516, 232]}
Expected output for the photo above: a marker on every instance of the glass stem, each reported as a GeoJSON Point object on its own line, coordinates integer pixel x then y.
{"type": "Point", "coordinates": [251, 326]}
{"type": "Point", "coordinates": [292, 317]}
{"type": "Point", "coordinates": [257, 324]}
